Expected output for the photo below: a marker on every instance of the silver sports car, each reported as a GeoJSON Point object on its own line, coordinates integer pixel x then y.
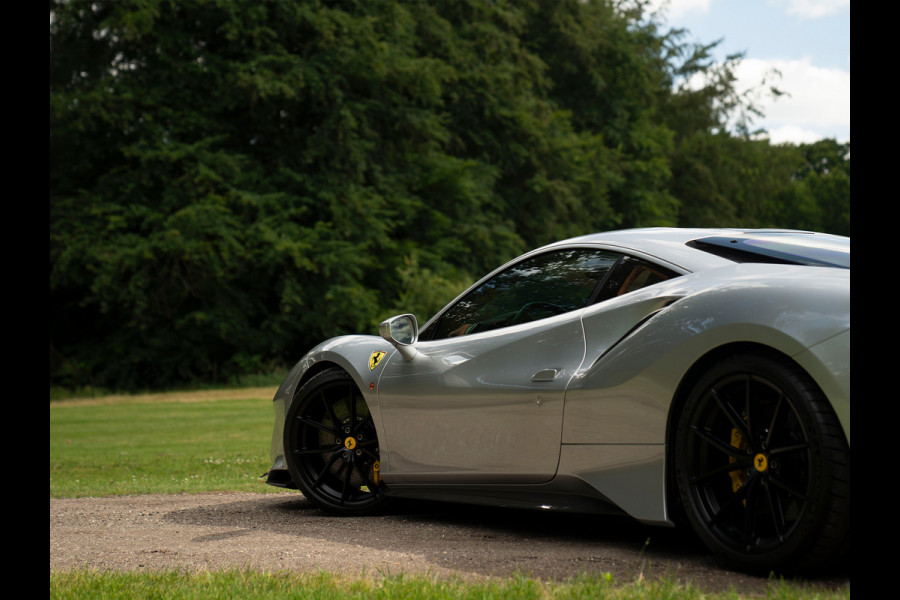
{"type": "Point", "coordinates": [679, 376]}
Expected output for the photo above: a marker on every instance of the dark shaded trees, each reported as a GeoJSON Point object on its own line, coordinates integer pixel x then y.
{"type": "Point", "coordinates": [232, 182]}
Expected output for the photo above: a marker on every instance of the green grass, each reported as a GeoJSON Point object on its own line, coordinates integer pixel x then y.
{"type": "Point", "coordinates": [251, 585]}
{"type": "Point", "coordinates": [160, 444]}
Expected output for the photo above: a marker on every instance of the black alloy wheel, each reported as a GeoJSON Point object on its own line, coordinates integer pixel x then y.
{"type": "Point", "coordinates": [763, 467]}
{"type": "Point", "coordinates": [331, 446]}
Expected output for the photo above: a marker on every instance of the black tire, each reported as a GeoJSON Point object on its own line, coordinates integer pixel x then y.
{"type": "Point", "coordinates": [763, 467]}
{"type": "Point", "coordinates": [331, 446]}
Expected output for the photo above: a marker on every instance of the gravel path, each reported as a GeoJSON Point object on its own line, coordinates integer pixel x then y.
{"type": "Point", "coordinates": [284, 532]}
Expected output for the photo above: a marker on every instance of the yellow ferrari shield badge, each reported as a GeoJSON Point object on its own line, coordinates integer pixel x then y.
{"type": "Point", "coordinates": [375, 359]}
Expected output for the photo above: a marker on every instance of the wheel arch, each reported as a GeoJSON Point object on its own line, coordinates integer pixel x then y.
{"type": "Point", "coordinates": [316, 368]}
{"type": "Point", "coordinates": [278, 474]}
{"type": "Point", "coordinates": [320, 425]}
{"type": "Point", "coordinates": [350, 354]}
{"type": "Point", "coordinates": [674, 506]}
{"type": "Point", "coordinates": [821, 539]}
{"type": "Point", "coordinates": [341, 363]}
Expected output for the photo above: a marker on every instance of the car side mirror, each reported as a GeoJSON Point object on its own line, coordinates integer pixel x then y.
{"type": "Point", "coordinates": [402, 331]}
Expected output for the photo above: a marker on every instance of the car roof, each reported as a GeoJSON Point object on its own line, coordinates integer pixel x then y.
{"type": "Point", "coordinates": [679, 247]}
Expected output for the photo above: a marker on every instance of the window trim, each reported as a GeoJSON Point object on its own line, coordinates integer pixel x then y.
{"type": "Point", "coordinates": [427, 332]}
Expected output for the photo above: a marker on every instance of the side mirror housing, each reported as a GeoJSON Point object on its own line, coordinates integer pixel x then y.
{"type": "Point", "coordinates": [402, 331]}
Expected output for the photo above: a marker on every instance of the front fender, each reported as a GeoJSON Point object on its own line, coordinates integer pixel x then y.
{"type": "Point", "coordinates": [352, 353]}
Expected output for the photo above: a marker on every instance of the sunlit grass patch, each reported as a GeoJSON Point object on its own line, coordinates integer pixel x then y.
{"type": "Point", "coordinates": [252, 585]}
{"type": "Point", "coordinates": [159, 445]}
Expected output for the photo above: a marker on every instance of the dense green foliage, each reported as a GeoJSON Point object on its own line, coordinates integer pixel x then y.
{"type": "Point", "coordinates": [232, 182]}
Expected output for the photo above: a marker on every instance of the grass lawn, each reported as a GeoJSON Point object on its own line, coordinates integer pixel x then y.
{"type": "Point", "coordinates": [249, 585]}
{"type": "Point", "coordinates": [161, 443]}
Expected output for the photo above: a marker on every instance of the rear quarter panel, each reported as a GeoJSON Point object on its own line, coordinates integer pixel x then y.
{"type": "Point", "coordinates": [623, 396]}
{"type": "Point", "coordinates": [619, 406]}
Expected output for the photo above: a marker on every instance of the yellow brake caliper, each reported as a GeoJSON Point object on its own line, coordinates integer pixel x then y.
{"type": "Point", "coordinates": [738, 477]}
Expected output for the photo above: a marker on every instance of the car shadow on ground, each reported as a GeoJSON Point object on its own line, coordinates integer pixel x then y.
{"type": "Point", "coordinates": [501, 541]}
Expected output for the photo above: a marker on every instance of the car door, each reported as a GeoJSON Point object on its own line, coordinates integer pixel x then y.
{"type": "Point", "coordinates": [482, 400]}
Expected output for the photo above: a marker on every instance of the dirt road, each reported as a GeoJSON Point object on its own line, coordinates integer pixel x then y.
{"type": "Point", "coordinates": [284, 532]}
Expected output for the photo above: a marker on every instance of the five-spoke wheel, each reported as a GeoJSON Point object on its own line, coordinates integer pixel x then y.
{"type": "Point", "coordinates": [762, 466]}
{"type": "Point", "coordinates": [331, 446]}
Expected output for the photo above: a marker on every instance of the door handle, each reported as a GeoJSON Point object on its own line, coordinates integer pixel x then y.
{"type": "Point", "coordinates": [545, 375]}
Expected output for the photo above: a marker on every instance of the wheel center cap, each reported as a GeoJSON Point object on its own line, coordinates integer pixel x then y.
{"type": "Point", "coordinates": [760, 463]}
{"type": "Point", "coordinates": [350, 443]}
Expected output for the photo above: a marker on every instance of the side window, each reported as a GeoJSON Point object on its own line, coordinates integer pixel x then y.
{"type": "Point", "coordinates": [632, 274]}
{"type": "Point", "coordinates": [536, 288]}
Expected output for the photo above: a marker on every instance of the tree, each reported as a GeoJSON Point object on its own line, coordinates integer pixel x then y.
{"type": "Point", "coordinates": [233, 182]}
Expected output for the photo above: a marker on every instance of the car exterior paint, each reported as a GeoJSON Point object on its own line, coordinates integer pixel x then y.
{"type": "Point", "coordinates": [575, 411]}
